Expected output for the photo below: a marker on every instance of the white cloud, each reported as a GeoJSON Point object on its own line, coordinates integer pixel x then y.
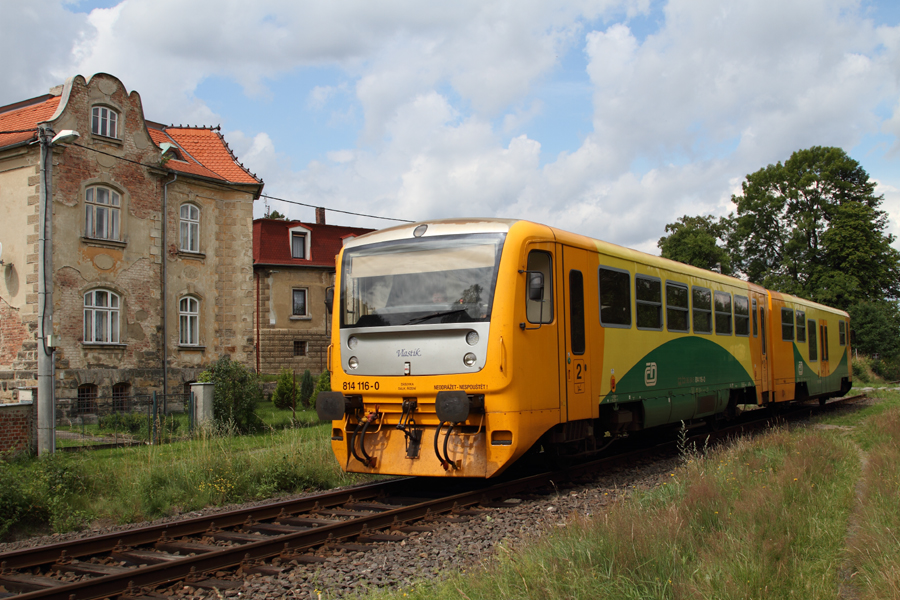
{"type": "Point", "coordinates": [446, 90]}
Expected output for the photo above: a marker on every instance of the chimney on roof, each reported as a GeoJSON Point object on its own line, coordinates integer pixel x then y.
{"type": "Point", "coordinates": [320, 215]}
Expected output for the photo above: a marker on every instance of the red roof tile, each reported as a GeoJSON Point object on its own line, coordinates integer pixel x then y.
{"type": "Point", "coordinates": [25, 116]}
{"type": "Point", "coordinates": [271, 242]}
{"type": "Point", "coordinates": [203, 150]}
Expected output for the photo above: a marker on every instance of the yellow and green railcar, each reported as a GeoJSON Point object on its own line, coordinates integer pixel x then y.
{"type": "Point", "coordinates": [457, 345]}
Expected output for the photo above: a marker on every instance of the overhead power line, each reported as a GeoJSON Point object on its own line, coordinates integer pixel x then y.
{"type": "Point", "coordinates": [345, 212]}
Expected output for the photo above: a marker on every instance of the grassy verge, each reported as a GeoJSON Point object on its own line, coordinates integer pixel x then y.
{"type": "Point", "coordinates": [68, 491]}
{"type": "Point", "coordinates": [763, 518]}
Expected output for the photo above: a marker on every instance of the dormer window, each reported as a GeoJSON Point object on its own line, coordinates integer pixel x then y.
{"type": "Point", "coordinates": [104, 121]}
{"type": "Point", "coordinates": [298, 245]}
{"type": "Point", "coordinates": [299, 238]}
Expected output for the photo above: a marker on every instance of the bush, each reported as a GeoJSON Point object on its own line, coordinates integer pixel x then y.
{"type": "Point", "coordinates": [236, 394]}
{"type": "Point", "coordinates": [307, 387]}
{"type": "Point", "coordinates": [322, 385]}
{"type": "Point", "coordinates": [129, 422]}
{"type": "Point", "coordinates": [285, 390]}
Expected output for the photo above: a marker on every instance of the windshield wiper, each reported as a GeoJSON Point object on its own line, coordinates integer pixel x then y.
{"type": "Point", "coordinates": [442, 313]}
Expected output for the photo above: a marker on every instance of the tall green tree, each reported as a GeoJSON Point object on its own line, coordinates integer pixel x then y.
{"type": "Point", "coordinates": [876, 328]}
{"type": "Point", "coordinates": [698, 241]}
{"type": "Point", "coordinates": [812, 227]}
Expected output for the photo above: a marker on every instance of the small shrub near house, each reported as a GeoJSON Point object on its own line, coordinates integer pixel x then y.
{"type": "Point", "coordinates": [322, 385]}
{"type": "Point", "coordinates": [286, 392]}
{"type": "Point", "coordinates": [237, 392]}
{"type": "Point", "coordinates": [307, 388]}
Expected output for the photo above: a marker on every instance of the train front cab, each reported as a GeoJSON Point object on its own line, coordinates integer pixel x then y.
{"type": "Point", "coordinates": [470, 423]}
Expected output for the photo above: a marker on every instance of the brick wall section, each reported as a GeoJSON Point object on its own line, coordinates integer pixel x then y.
{"type": "Point", "coordinates": [17, 429]}
{"type": "Point", "coordinates": [277, 351]}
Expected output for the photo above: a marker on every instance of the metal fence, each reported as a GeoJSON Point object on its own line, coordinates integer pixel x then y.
{"type": "Point", "coordinates": [89, 421]}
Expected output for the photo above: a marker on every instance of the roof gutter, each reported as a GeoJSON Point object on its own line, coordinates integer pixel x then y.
{"type": "Point", "coordinates": [164, 254]}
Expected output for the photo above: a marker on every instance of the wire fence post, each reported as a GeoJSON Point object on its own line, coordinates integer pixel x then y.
{"type": "Point", "coordinates": [153, 411]}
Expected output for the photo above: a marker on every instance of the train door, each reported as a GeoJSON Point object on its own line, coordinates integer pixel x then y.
{"type": "Point", "coordinates": [761, 348]}
{"type": "Point", "coordinates": [578, 275]}
{"type": "Point", "coordinates": [537, 344]}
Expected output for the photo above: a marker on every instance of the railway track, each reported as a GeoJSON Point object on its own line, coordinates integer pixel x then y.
{"type": "Point", "coordinates": [267, 539]}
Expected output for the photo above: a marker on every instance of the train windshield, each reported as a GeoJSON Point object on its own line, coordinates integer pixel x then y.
{"type": "Point", "coordinates": [447, 279]}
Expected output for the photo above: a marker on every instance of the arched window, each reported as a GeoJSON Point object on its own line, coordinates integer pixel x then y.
{"type": "Point", "coordinates": [101, 317]}
{"type": "Point", "coordinates": [104, 121]}
{"type": "Point", "coordinates": [190, 228]}
{"type": "Point", "coordinates": [189, 321]}
{"type": "Point", "coordinates": [87, 399]}
{"type": "Point", "coordinates": [120, 393]}
{"type": "Point", "coordinates": [101, 213]}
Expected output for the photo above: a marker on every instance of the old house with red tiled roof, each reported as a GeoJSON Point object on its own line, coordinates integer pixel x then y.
{"type": "Point", "coordinates": [149, 242]}
{"type": "Point", "coordinates": [293, 264]}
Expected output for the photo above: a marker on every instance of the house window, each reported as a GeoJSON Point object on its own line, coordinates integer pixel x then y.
{"type": "Point", "coordinates": [120, 393]}
{"type": "Point", "coordinates": [189, 321]}
{"type": "Point", "coordinates": [298, 245]}
{"type": "Point", "coordinates": [101, 317]}
{"type": "Point", "coordinates": [101, 213]}
{"type": "Point", "coordinates": [104, 121]}
{"type": "Point", "coordinates": [190, 228]}
{"type": "Point", "coordinates": [86, 403]}
{"type": "Point", "coordinates": [299, 304]}
{"type": "Point", "coordinates": [299, 348]}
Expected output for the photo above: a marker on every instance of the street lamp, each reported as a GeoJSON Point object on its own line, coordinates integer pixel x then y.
{"type": "Point", "coordinates": [46, 416]}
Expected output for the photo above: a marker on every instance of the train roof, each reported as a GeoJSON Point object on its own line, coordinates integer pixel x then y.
{"type": "Point", "coordinates": [488, 225]}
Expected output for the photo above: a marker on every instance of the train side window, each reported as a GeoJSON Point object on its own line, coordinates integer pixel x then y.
{"type": "Point", "coordinates": [842, 333]}
{"type": "Point", "coordinates": [824, 342]}
{"type": "Point", "coordinates": [755, 317]}
{"type": "Point", "coordinates": [741, 316]}
{"type": "Point", "coordinates": [576, 310]}
{"type": "Point", "coordinates": [787, 324]}
{"type": "Point", "coordinates": [648, 300]}
{"type": "Point", "coordinates": [615, 297]}
{"type": "Point", "coordinates": [801, 326]}
{"type": "Point", "coordinates": [762, 327]}
{"type": "Point", "coordinates": [677, 307]}
{"type": "Point", "coordinates": [541, 311]}
{"type": "Point", "coordinates": [723, 313]}
{"type": "Point", "coordinates": [813, 346]}
{"type": "Point", "coordinates": [702, 298]}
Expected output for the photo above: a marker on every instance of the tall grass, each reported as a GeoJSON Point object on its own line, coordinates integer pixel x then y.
{"type": "Point", "coordinates": [874, 544]}
{"type": "Point", "coordinates": [69, 491]}
{"type": "Point", "coordinates": [764, 518]}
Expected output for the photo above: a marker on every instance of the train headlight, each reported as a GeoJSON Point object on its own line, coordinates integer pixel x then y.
{"type": "Point", "coordinates": [352, 342]}
{"type": "Point", "coordinates": [469, 359]}
{"type": "Point", "coordinates": [471, 338]}
{"type": "Point", "coordinates": [353, 362]}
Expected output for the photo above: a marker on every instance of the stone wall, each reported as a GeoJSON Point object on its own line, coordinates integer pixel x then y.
{"type": "Point", "coordinates": [277, 351]}
{"type": "Point", "coordinates": [18, 431]}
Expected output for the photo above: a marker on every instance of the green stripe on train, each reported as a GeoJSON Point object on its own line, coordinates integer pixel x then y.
{"type": "Point", "coordinates": [803, 372]}
{"type": "Point", "coordinates": [683, 379]}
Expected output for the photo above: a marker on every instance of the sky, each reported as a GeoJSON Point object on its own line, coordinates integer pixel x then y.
{"type": "Point", "coordinates": [609, 118]}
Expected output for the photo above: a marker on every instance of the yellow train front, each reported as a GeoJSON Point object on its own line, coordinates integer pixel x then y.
{"type": "Point", "coordinates": [457, 345]}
